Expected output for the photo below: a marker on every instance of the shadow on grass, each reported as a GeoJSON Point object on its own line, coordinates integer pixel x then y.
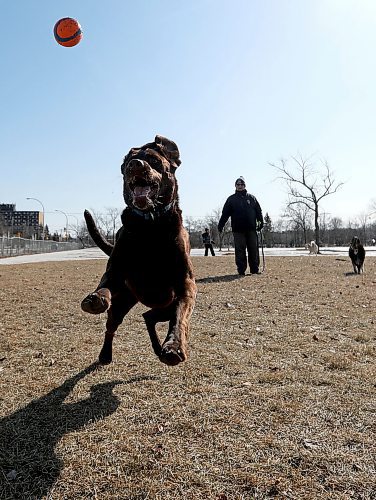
{"type": "Point", "coordinates": [219, 279]}
{"type": "Point", "coordinates": [28, 463]}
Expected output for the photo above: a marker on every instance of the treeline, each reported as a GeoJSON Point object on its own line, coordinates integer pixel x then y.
{"type": "Point", "coordinates": [285, 232]}
{"type": "Point", "coordinates": [290, 230]}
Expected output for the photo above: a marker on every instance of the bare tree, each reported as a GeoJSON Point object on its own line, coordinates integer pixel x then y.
{"type": "Point", "coordinates": [224, 238]}
{"type": "Point", "coordinates": [211, 221]}
{"type": "Point", "coordinates": [301, 216]}
{"type": "Point", "coordinates": [366, 223]}
{"type": "Point", "coordinates": [108, 222]}
{"type": "Point", "coordinates": [195, 229]}
{"type": "Point", "coordinates": [362, 220]}
{"type": "Point", "coordinates": [335, 225]}
{"type": "Point", "coordinates": [372, 221]}
{"type": "Point", "coordinates": [79, 230]}
{"type": "Point", "coordinates": [308, 185]}
{"type": "Point", "coordinates": [113, 216]}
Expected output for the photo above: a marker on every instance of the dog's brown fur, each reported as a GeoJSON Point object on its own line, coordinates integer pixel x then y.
{"type": "Point", "coordinates": [150, 261]}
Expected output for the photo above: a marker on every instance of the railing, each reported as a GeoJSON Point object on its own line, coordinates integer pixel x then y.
{"type": "Point", "coordinates": [21, 246]}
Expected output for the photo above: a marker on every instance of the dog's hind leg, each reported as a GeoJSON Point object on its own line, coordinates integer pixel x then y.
{"type": "Point", "coordinates": [122, 302]}
{"type": "Point", "coordinates": [153, 317]}
{"type": "Point", "coordinates": [170, 353]}
{"type": "Point", "coordinates": [174, 347]}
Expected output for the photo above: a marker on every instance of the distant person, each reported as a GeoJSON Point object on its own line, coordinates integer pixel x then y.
{"type": "Point", "coordinates": [373, 241]}
{"type": "Point", "coordinates": [208, 242]}
{"type": "Point", "coordinates": [246, 220]}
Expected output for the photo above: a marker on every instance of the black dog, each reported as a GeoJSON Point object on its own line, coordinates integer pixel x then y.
{"type": "Point", "coordinates": [357, 255]}
{"type": "Point", "coordinates": [150, 261]}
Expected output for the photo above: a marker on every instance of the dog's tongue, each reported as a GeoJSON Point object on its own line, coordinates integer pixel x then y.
{"type": "Point", "coordinates": [140, 196]}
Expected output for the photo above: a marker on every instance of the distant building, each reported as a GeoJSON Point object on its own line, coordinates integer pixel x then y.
{"type": "Point", "coordinates": [22, 222]}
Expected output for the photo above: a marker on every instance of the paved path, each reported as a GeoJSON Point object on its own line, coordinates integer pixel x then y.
{"type": "Point", "coordinates": [82, 254]}
{"type": "Point", "coordinates": [95, 253]}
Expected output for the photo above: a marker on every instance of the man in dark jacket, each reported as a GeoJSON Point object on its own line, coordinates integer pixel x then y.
{"type": "Point", "coordinates": [246, 220]}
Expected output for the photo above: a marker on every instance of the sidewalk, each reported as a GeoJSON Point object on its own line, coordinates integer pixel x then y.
{"type": "Point", "coordinates": [82, 254]}
{"type": "Point", "coordinates": [96, 253]}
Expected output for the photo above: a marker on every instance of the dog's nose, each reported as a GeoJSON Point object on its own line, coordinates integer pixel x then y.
{"type": "Point", "coordinates": [136, 163]}
{"type": "Point", "coordinates": [138, 167]}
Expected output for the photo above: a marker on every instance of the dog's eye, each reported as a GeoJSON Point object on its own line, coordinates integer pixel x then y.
{"type": "Point", "coordinates": [153, 162]}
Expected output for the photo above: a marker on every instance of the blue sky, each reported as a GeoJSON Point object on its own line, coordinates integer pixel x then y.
{"type": "Point", "coordinates": [236, 84]}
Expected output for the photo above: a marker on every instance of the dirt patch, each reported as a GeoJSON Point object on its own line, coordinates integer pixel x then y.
{"type": "Point", "coordinates": [277, 398]}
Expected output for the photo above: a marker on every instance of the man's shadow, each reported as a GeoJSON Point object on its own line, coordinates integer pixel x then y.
{"type": "Point", "coordinates": [28, 463]}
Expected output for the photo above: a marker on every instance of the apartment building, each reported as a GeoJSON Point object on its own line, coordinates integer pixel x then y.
{"type": "Point", "coordinates": [23, 222]}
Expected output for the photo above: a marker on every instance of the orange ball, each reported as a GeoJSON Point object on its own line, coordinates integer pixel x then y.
{"type": "Point", "coordinates": [67, 32]}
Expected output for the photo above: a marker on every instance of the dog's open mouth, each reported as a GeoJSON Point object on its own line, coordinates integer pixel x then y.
{"type": "Point", "coordinates": [143, 192]}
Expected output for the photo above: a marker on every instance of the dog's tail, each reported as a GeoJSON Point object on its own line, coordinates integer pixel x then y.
{"type": "Point", "coordinates": [97, 237]}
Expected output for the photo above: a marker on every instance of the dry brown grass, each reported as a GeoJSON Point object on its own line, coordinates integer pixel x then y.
{"type": "Point", "coordinates": [276, 400]}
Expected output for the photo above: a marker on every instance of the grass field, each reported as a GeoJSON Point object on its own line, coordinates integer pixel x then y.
{"type": "Point", "coordinates": [277, 398]}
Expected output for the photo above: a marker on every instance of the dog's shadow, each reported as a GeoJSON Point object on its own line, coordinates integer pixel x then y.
{"type": "Point", "coordinates": [219, 279]}
{"type": "Point", "coordinates": [29, 466]}
{"type": "Point", "coordinates": [350, 273]}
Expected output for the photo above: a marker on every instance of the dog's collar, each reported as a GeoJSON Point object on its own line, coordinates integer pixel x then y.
{"type": "Point", "coordinates": [153, 214]}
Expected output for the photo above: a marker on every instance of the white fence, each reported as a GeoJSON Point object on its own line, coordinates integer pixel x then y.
{"type": "Point", "coordinates": [22, 246]}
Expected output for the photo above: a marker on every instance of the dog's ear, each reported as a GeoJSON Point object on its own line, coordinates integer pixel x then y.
{"type": "Point", "coordinates": [169, 149]}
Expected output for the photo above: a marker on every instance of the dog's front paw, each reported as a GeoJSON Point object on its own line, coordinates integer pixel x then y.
{"type": "Point", "coordinates": [172, 354]}
{"type": "Point", "coordinates": [97, 302]}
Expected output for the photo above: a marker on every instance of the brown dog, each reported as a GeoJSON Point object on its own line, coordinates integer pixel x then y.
{"type": "Point", "coordinates": [357, 255]}
{"type": "Point", "coordinates": [150, 261]}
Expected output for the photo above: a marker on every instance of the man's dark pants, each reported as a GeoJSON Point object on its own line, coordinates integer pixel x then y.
{"type": "Point", "coordinates": [209, 246]}
{"type": "Point", "coordinates": [246, 241]}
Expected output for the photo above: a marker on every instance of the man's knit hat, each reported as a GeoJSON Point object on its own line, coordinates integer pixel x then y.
{"type": "Point", "coordinates": [241, 179]}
